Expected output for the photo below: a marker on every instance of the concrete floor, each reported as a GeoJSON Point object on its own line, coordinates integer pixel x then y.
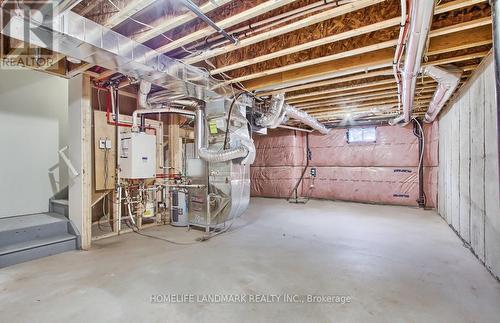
{"type": "Point", "coordinates": [398, 265]}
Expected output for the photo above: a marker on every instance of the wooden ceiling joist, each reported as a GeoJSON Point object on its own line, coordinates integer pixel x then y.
{"type": "Point", "coordinates": [457, 4]}
{"type": "Point", "coordinates": [311, 20]}
{"type": "Point", "coordinates": [312, 44]}
{"type": "Point", "coordinates": [332, 81]}
{"type": "Point", "coordinates": [129, 10]}
{"type": "Point", "coordinates": [352, 108]}
{"type": "Point", "coordinates": [456, 41]}
{"type": "Point", "coordinates": [338, 37]}
{"type": "Point", "coordinates": [320, 60]}
{"type": "Point", "coordinates": [175, 22]}
{"type": "Point", "coordinates": [385, 95]}
{"type": "Point", "coordinates": [355, 95]}
{"type": "Point", "coordinates": [226, 23]}
{"type": "Point", "coordinates": [352, 91]}
{"type": "Point", "coordinates": [440, 44]}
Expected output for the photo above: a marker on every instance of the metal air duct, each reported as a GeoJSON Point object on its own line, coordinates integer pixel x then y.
{"type": "Point", "coordinates": [278, 111]}
{"type": "Point", "coordinates": [73, 35]}
{"type": "Point", "coordinates": [421, 15]}
{"type": "Point", "coordinates": [448, 80]}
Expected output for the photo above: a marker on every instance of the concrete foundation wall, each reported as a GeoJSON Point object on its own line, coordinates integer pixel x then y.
{"type": "Point", "coordinates": [468, 167]}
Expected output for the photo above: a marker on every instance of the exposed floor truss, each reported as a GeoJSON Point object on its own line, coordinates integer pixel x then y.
{"type": "Point", "coordinates": [332, 58]}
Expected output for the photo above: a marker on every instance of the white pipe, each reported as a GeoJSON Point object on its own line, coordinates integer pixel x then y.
{"type": "Point", "coordinates": [136, 113]}
{"type": "Point", "coordinates": [422, 12]}
{"type": "Point", "coordinates": [399, 49]}
{"type": "Point", "coordinates": [305, 118]}
{"type": "Point", "coordinates": [295, 128]}
{"type": "Point", "coordinates": [448, 80]}
{"type": "Point", "coordinates": [279, 111]}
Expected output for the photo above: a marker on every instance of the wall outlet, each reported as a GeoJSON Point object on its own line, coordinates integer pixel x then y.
{"type": "Point", "coordinates": [105, 143]}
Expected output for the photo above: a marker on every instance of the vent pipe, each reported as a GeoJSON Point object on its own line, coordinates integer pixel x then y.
{"type": "Point", "coordinates": [448, 80]}
{"type": "Point", "coordinates": [421, 15]}
{"type": "Point", "coordinates": [279, 111]}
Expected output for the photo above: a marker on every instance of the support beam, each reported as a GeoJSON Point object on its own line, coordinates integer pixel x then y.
{"type": "Point", "coordinates": [80, 154]}
{"type": "Point", "coordinates": [311, 20]}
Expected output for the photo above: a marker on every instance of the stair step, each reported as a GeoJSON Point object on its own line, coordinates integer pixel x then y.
{"type": "Point", "coordinates": [29, 250]}
{"type": "Point", "coordinates": [60, 206]}
{"type": "Point", "coordinates": [61, 202]}
{"type": "Point", "coordinates": [25, 228]}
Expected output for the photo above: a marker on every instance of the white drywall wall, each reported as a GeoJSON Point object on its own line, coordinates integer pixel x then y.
{"type": "Point", "coordinates": [468, 167]}
{"type": "Point", "coordinates": [33, 127]}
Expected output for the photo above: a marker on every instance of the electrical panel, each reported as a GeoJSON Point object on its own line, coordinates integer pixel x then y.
{"type": "Point", "coordinates": [138, 155]}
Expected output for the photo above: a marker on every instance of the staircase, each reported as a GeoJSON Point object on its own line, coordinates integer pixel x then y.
{"type": "Point", "coordinates": [33, 236]}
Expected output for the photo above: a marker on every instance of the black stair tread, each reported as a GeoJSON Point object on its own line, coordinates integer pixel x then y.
{"type": "Point", "coordinates": [35, 243]}
{"type": "Point", "coordinates": [61, 202]}
{"type": "Point", "coordinates": [31, 220]}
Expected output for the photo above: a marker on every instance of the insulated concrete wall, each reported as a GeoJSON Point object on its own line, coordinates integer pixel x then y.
{"type": "Point", "coordinates": [468, 169]}
{"type": "Point", "coordinates": [279, 163]}
{"type": "Point", "coordinates": [34, 117]}
{"type": "Point", "coordinates": [381, 172]}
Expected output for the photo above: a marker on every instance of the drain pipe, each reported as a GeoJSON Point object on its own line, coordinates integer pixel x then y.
{"type": "Point", "coordinates": [422, 12]}
{"type": "Point", "coordinates": [448, 80]}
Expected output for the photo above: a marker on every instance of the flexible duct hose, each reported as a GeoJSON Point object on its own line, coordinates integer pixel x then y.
{"type": "Point", "coordinates": [223, 156]}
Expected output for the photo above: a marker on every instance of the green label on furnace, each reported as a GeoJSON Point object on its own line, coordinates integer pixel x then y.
{"type": "Point", "coordinates": [213, 127]}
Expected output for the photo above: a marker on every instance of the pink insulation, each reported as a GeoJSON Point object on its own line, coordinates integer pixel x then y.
{"type": "Point", "coordinates": [274, 181]}
{"type": "Point", "coordinates": [382, 172]}
{"type": "Point", "coordinates": [280, 148]}
{"type": "Point", "coordinates": [395, 146]}
{"type": "Point", "coordinates": [431, 136]}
